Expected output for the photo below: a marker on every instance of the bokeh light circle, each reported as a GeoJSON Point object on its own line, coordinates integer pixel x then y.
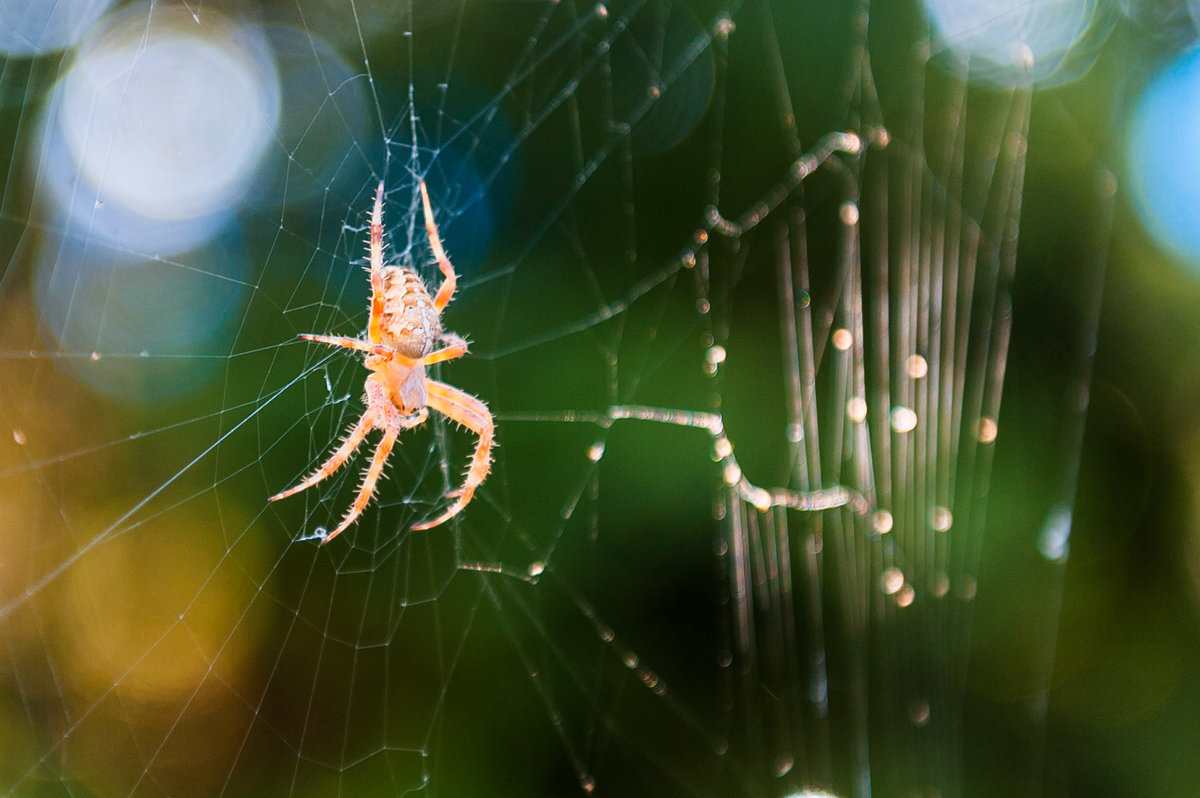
{"type": "Point", "coordinates": [139, 328]}
{"type": "Point", "coordinates": [323, 115]}
{"type": "Point", "coordinates": [36, 27]}
{"type": "Point", "coordinates": [1162, 160]}
{"type": "Point", "coordinates": [162, 126]}
{"type": "Point", "coordinates": [170, 122]}
{"type": "Point", "coordinates": [1016, 42]}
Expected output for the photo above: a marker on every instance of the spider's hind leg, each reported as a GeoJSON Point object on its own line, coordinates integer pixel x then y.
{"type": "Point", "coordinates": [394, 424]}
{"type": "Point", "coordinates": [473, 414]}
{"type": "Point", "coordinates": [339, 456]}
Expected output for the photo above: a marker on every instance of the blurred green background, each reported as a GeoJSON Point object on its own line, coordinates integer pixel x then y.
{"type": "Point", "coordinates": [166, 631]}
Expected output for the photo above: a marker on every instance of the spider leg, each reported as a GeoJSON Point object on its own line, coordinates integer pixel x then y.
{"type": "Point", "coordinates": [379, 350]}
{"type": "Point", "coordinates": [375, 248]}
{"type": "Point", "coordinates": [472, 414]}
{"type": "Point", "coordinates": [395, 423]}
{"type": "Point", "coordinates": [455, 347]}
{"type": "Point", "coordinates": [446, 292]}
{"type": "Point", "coordinates": [339, 456]}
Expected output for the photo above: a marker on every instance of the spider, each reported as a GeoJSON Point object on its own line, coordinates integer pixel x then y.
{"type": "Point", "coordinates": [403, 330]}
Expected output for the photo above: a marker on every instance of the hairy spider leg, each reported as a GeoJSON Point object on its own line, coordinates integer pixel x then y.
{"type": "Point", "coordinates": [339, 456]}
{"type": "Point", "coordinates": [472, 414]}
{"type": "Point", "coordinates": [395, 424]}
{"type": "Point", "coordinates": [375, 249]}
{"type": "Point", "coordinates": [456, 347]}
{"type": "Point", "coordinates": [379, 350]}
{"type": "Point", "coordinates": [446, 292]}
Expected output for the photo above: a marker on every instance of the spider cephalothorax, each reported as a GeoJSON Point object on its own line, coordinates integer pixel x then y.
{"type": "Point", "coordinates": [403, 333]}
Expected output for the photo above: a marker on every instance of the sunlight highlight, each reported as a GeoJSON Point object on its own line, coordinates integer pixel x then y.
{"type": "Point", "coordinates": [1013, 41]}
{"type": "Point", "coordinates": [36, 27]}
{"type": "Point", "coordinates": [157, 129]}
{"type": "Point", "coordinates": [1163, 161]}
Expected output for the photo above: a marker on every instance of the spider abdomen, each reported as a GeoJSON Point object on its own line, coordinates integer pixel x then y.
{"type": "Point", "coordinates": [410, 323]}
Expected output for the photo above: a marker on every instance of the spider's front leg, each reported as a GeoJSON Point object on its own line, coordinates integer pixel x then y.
{"type": "Point", "coordinates": [446, 292]}
{"type": "Point", "coordinates": [357, 344]}
{"type": "Point", "coordinates": [375, 251]}
{"type": "Point", "coordinates": [456, 346]}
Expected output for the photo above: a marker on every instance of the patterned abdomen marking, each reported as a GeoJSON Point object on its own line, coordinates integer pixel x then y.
{"type": "Point", "coordinates": [410, 323]}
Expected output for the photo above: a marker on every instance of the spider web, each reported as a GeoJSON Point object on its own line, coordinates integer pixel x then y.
{"type": "Point", "coordinates": [738, 279]}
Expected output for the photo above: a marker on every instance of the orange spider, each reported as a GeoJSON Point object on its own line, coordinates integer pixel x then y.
{"type": "Point", "coordinates": [404, 327]}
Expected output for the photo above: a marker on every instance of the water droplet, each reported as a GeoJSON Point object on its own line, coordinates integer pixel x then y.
{"type": "Point", "coordinates": [986, 430]}
{"type": "Point", "coordinates": [893, 580]}
{"type": "Point", "coordinates": [1018, 145]}
{"type": "Point", "coordinates": [941, 519]}
{"type": "Point", "coordinates": [1023, 55]}
{"type": "Point", "coordinates": [761, 499]}
{"type": "Point", "coordinates": [1054, 541]}
{"type": "Point", "coordinates": [903, 419]}
{"type": "Point", "coordinates": [882, 522]}
{"type": "Point", "coordinates": [848, 213]}
{"type": "Point", "coordinates": [917, 366]}
{"type": "Point", "coordinates": [18, 437]}
{"type": "Point", "coordinates": [918, 711]}
{"type": "Point", "coordinates": [842, 339]}
{"type": "Point", "coordinates": [856, 409]}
